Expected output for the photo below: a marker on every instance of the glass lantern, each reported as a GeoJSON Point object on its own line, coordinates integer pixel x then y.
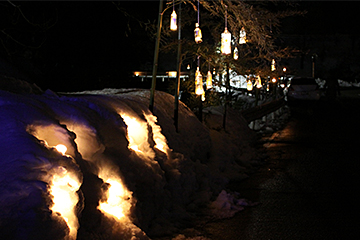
{"type": "Point", "coordinates": [209, 80]}
{"type": "Point", "coordinates": [197, 33]}
{"type": "Point", "coordinates": [173, 25]}
{"type": "Point", "coordinates": [242, 39]}
{"type": "Point", "coordinates": [226, 42]}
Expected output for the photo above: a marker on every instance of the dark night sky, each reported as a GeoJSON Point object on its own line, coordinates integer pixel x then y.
{"type": "Point", "coordinates": [325, 17]}
{"type": "Point", "coordinates": [91, 45]}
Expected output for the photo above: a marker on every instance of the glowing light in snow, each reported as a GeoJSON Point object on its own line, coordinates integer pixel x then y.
{"type": "Point", "coordinates": [137, 133]}
{"type": "Point", "coordinates": [117, 201]}
{"type": "Point", "coordinates": [61, 148]}
{"type": "Point", "coordinates": [159, 138]}
{"type": "Point", "coordinates": [63, 188]}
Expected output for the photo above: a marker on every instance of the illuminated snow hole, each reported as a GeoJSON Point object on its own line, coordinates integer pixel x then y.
{"type": "Point", "coordinates": [63, 188]}
{"type": "Point", "coordinates": [117, 199]}
{"type": "Point", "coordinates": [61, 148]}
{"type": "Point", "coordinates": [137, 131]}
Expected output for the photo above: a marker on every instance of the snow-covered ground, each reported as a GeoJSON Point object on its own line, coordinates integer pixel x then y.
{"type": "Point", "coordinates": [124, 173]}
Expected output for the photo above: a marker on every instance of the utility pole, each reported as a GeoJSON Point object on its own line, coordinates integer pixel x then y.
{"type": "Point", "coordinates": [227, 84]}
{"type": "Point", "coordinates": [177, 89]}
{"type": "Point", "coordinates": [156, 57]}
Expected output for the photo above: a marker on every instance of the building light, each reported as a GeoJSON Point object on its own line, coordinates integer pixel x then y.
{"type": "Point", "coordinates": [172, 73]}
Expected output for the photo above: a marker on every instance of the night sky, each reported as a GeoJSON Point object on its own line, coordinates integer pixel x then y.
{"type": "Point", "coordinates": [93, 45]}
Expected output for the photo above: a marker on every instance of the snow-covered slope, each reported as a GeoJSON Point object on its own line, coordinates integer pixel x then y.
{"type": "Point", "coordinates": [112, 140]}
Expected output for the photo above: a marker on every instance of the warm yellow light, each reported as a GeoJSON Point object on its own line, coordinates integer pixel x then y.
{"type": "Point", "coordinates": [259, 85]}
{"type": "Point", "coordinates": [188, 67]}
{"type": "Point", "coordinates": [137, 134]}
{"type": "Point", "coordinates": [273, 67]}
{"type": "Point", "coordinates": [172, 73]}
{"type": "Point", "coordinates": [242, 39]}
{"type": "Point", "coordinates": [117, 199]}
{"type": "Point", "coordinates": [197, 33]}
{"type": "Point", "coordinates": [63, 188]}
{"type": "Point", "coordinates": [236, 53]}
{"type": "Point", "coordinates": [209, 80]}
{"type": "Point", "coordinates": [273, 80]}
{"type": "Point", "coordinates": [61, 148]}
{"type": "Point", "coordinates": [173, 25]}
{"type": "Point", "coordinates": [249, 85]}
{"type": "Point", "coordinates": [137, 73]}
{"type": "Point", "coordinates": [198, 83]}
{"type": "Point", "coordinates": [226, 42]}
{"type": "Point", "coordinates": [284, 69]}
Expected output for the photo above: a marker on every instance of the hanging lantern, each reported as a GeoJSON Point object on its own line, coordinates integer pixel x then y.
{"type": "Point", "coordinates": [226, 39]}
{"type": "Point", "coordinates": [197, 33]}
{"type": "Point", "coordinates": [173, 25]}
{"type": "Point", "coordinates": [209, 80]}
{"type": "Point", "coordinates": [249, 85]}
{"type": "Point", "coordinates": [226, 42]}
{"type": "Point", "coordinates": [273, 80]}
{"type": "Point", "coordinates": [242, 39]}
{"type": "Point", "coordinates": [236, 53]}
{"type": "Point", "coordinates": [273, 67]}
{"type": "Point", "coordinates": [198, 83]}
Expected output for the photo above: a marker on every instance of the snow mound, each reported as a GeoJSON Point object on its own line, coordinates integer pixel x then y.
{"type": "Point", "coordinates": [163, 175]}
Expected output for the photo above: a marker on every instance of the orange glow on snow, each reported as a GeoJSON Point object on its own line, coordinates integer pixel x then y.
{"type": "Point", "coordinates": [63, 188]}
{"type": "Point", "coordinates": [118, 197]}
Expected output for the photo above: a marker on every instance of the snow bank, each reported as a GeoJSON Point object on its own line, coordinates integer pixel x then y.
{"type": "Point", "coordinates": [161, 187]}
